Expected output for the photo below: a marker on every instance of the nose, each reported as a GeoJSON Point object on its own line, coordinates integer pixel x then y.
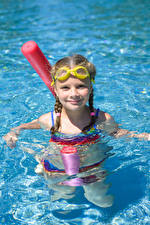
{"type": "Point", "coordinates": [74, 92]}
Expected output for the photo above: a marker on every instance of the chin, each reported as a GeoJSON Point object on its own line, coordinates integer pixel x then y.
{"type": "Point", "coordinates": [73, 107]}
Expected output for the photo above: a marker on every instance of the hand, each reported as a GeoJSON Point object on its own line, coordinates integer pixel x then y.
{"type": "Point", "coordinates": [11, 139]}
{"type": "Point", "coordinates": [145, 136]}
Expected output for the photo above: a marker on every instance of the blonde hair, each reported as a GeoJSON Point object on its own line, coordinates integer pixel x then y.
{"type": "Point", "coordinates": [71, 62]}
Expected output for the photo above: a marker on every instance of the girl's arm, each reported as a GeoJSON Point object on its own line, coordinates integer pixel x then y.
{"type": "Point", "coordinates": [41, 122]}
{"type": "Point", "coordinates": [113, 129]}
{"type": "Point", "coordinates": [12, 137]}
{"type": "Point", "coordinates": [121, 132]}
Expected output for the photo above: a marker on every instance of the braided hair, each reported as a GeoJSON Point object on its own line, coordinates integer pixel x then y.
{"type": "Point", "coordinates": [71, 62]}
{"type": "Point", "coordinates": [93, 117]}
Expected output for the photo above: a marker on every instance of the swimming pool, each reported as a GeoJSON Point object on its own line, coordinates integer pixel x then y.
{"type": "Point", "coordinates": [115, 36]}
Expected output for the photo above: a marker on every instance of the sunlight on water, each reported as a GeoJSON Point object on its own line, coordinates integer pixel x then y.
{"type": "Point", "coordinates": [113, 35]}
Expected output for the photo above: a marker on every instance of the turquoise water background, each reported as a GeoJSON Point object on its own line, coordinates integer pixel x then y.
{"type": "Point", "coordinates": [115, 36]}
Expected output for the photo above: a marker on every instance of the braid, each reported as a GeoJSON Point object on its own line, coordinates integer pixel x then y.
{"type": "Point", "coordinates": [93, 118]}
{"type": "Point", "coordinates": [57, 109]}
{"type": "Point", "coordinates": [91, 102]}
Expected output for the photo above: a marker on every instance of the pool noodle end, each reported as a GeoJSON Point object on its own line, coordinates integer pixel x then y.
{"type": "Point", "coordinates": [39, 62]}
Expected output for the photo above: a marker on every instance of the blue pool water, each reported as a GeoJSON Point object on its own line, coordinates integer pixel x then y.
{"type": "Point", "coordinates": [115, 36]}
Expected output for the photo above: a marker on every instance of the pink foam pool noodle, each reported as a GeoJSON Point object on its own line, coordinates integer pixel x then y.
{"type": "Point", "coordinates": [71, 161]}
{"type": "Point", "coordinates": [39, 62]}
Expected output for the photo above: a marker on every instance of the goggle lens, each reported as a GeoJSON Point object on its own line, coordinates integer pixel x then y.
{"type": "Point", "coordinates": [79, 72]}
{"type": "Point", "coordinates": [63, 73]}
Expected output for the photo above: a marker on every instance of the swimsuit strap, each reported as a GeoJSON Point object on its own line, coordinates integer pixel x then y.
{"type": "Point", "coordinates": [52, 118]}
{"type": "Point", "coordinates": [97, 112]}
{"type": "Point", "coordinates": [96, 115]}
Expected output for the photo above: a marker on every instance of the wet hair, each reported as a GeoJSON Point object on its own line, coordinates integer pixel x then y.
{"type": "Point", "coordinates": [71, 62]}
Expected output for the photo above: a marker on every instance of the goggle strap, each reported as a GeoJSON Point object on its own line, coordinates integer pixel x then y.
{"type": "Point", "coordinates": [93, 81]}
{"type": "Point", "coordinates": [52, 83]}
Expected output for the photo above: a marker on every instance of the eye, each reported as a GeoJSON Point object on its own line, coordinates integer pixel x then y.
{"type": "Point", "coordinates": [64, 87]}
{"type": "Point", "coordinates": [81, 86]}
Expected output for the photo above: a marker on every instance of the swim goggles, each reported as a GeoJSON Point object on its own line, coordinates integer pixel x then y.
{"type": "Point", "coordinates": [64, 73]}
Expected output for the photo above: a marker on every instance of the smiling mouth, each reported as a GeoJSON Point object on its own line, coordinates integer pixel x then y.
{"type": "Point", "coordinates": [74, 101]}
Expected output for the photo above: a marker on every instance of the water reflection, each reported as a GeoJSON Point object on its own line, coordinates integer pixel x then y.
{"type": "Point", "coordinates": [91, 177]}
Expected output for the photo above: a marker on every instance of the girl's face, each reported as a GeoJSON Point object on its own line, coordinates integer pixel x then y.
{"type": "Point", "coordinates": [73, 93]}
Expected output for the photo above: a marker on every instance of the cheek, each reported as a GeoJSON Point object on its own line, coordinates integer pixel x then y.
{"type": "Point", "coordinates": [62, 95]}
{"type": "Point", "coordinates": [86, 93]}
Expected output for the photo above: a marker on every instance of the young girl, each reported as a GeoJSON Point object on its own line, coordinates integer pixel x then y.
{"type": "Point", "coordinates": [75, 123]}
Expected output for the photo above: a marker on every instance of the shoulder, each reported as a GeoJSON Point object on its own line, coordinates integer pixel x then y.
{"type": "Point", "coordinates": [103, 116]}
{"type": "Point", "coordinates": [45, 121]}
{"type": "Point", "coordinates": [106, 122]}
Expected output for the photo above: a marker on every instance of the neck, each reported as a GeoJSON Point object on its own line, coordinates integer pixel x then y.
{"type": "Point", "coordinates": [77, 117]}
